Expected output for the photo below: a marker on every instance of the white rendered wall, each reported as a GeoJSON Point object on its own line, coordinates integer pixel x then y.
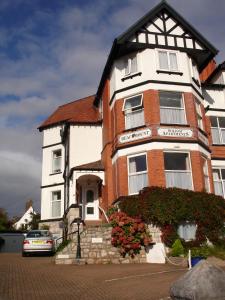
{"type": "Point", "coordinates": [214, 98]}
{"type": "Point", "coordinates": [25, 219]}
{"type": "Point", "coordinates": [148, 64]}
{"type": "Point", "coordinates": [51, 136]}
{"type": "Point", "coordinates": [85, 144]}
{"type": "Point", "coordinates": [48, 177]}
{"type": "Point", "coordinates": [46, 196]}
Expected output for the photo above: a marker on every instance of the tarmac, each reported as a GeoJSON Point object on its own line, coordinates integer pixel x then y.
{"type": "Point", "coordinates": [32, 278]}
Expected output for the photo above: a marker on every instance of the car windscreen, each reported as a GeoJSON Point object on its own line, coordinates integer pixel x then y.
{"type": "Point", "coordinates": [35, 234]}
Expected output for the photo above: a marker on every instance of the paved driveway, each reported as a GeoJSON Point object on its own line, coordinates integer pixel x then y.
{"type": "Point", "coordinates": [39, 278]}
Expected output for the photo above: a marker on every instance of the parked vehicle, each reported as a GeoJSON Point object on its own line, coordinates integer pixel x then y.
{"type": "Point", "coordinates": [38, 241]}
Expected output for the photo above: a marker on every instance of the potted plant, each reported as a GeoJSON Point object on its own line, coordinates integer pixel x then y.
{"type": "Point", "coordinates": [197, 254]}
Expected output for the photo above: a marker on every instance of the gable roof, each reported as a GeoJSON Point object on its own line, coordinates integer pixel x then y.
{"type": "Point", "coordinates": [202, 50]}
{"type": "Point", "coordinates": [81, 111]}
{"type": "Point", "coordinates": [92, 166]}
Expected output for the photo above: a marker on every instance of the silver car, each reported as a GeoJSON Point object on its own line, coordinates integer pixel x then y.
{"type": "Point", "coordinates": [38, 241]}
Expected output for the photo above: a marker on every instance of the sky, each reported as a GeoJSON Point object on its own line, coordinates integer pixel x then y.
{"type": "Point", "coordinates": [53, 52]}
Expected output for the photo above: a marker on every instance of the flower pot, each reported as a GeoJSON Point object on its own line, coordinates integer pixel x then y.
{"type": "Point", "coordinates": [195, 260]}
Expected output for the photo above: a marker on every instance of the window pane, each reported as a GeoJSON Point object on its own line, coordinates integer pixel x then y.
{"type": "Point", "coordinates": [213, 121]}
{"type": "Point", "coordinates": [133, 102]}
{"type": "Point", "coordinates": [135, 119]}
{"type": "Point", "coordinates": [56, 208]}
{"type": "Point", "coordinates": [137, 164]}
{"type": "Point", "coordinates": [216, 174]}
{"type": "Point", "coordinates": [173, 61]}
{"type": "Point", "coordinates": [223, 173]}
{"type": "Point", "coordinates": [90, 210]}
{"type": "Point", "coordinates": [176, 161]}
{"type": "Point", "coordinates": [133, 64]}
{"type": "Point", "coordinates": [168, 99]}
{"type": "Point", "coordinates": [127, 67]}
{"type": "Point", "coordinates": [57, 159]}
{"type": "Point", "coordinates": [56, 195]}
{"type": "Point", "coordinates": [163, 61]}
{"type": "Point", "coordinates": [222, 122]}
{"type": "Point", "coordinates": [90, 196]}
{"type": "Point", "coordinates": [187, 231]}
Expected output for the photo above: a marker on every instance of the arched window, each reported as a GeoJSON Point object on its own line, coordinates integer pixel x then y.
{"type": "Point", "coordinates": [90, 196]}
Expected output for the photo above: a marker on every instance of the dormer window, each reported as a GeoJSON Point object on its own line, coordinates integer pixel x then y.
{"type": "Point", "coordinates": [168, 60]}
{"type": "Point", "coordinates": [133, 110]}
{"type": "Point", "coordinates": [131, 65]}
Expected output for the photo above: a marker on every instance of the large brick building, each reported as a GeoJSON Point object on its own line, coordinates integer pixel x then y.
{"type": "Point", "coordinates": [157, 119]}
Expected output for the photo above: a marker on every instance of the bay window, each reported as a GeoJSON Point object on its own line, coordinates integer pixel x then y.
{"type": "Point", "coordinates": [56, 161]}
{"type": "Point", "coordinates": [168, 60]}
{"type": "Point", "coordinates": [134, 113]}
{"type": "Point", "coordinates": [219, 181]}
{"type": "Point", "coordinates": [206, 175]}
{"type": "Point", "coordinates": [172, 108]}
{"type": "Point", "coordinates": [199, 114]}
{"type": "Point", "coordinates": [178, 170]}
{"type": "Point", "coordinates": [56, 204]}
{"type": "Point", "coordinates": [137, 173]}
{"type": "Point", "coordinates": [218, 129]}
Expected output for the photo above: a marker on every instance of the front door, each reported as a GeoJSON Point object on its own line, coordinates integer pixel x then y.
{"type": "Point", "coordinates": [91, 204]}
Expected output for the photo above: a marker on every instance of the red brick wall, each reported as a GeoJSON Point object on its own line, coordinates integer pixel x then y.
{"type": "Point", "coordinates": [156, 168]}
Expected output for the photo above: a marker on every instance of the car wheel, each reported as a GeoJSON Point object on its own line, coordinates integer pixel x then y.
{"type": "Point", "coordinates": [24, 254]}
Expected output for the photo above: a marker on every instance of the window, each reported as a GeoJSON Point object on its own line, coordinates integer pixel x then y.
{"type": "Point", "coordinates": [178, 170]}
{"type": "Point", "coordinates": [134, 113]}
{"type": "Point", "coordinates": [131, 65]}
{"type": "Point", "coordinates": [187, 231]}
{"type": "Point", "coordinates": [56, 204]}
{"type": "Point", "coordinates": [206, 175]}
{"type": "Point", "coordinates": [168, 60]}
{"type": "Point", "coordinates": [172, 108]}
{"type": "Point", "coordinates": [219, 181]}
{"type": "Point", "coordinates": [56, 161]}
{"type": "Point", "coordinates": [137, 173]}
{"type": "Point", "coordinates": [199, 114]}
{"type": "Point", "coordinates": [218, 130]}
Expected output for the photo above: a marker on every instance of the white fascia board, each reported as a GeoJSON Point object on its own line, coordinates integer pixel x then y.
{"type": "Point", "coordinates": [218, 163]}
{"type": "Point", "coordinates": [179, 147]}
{"type": "Point", "coordinates": [215, 113]}
{"type": "Point", "coordinates": [154, 86]}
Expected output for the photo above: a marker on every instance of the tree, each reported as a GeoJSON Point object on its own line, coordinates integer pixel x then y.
{"type": "Point", "coordinates": [5, 224]}
{"type": "Point", "coordinates": [35, 218]}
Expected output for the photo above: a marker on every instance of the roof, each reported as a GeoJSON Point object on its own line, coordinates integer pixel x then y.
{"type": "Point", "coordinates": [219, 68]}
{"type": "Point", "coordinates": [122, 44]}
{"type": "Point", "coordinates": [78, 112]}
{"type": "Point", "coordinates": [92, 166]}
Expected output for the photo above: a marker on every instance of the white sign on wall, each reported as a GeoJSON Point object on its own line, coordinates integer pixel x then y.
{"type": "Point", "coordinates": [96, 240]}
{"type": "Point", "coordinates": [175, 132]}
{"type": "Point", "coordinates": [140, 134]}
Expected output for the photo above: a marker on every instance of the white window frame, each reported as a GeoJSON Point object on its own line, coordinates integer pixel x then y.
{"type": "Point", "coordinates": [181, 227]}
{"type": "Point", "coordinates": [219, 129]}
{"type": "Point", "coordinates": [183, 108]}
{"type": "Point", "coordinates": [52, 201]}
{"type": "Point", "coordinates": [221, 180]}
{"type": "Point", "coordinates": [206, 174]}
{"type": "Point", "coordinates": [54, 171]}
{"type": "Point", "coordinates": [133, 109]}
{"type": "Point", "coordinates": [168, 60]}
{"type": "Point", "coordinates": [181, 171]}
{"type": "Point", "coordinates": [199, 114]}
{"type": "Point", "coordinates": [128, 64]}
{"type": "Point", "coordinates": [136, 173]}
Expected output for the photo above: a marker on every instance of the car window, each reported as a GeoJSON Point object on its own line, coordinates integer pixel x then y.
{"type": "Point", "coordinates": [36, 234]}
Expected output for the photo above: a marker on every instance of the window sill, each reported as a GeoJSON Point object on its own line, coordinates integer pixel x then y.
{"type": "Point", "coordinates": [56, 173]}
{"type": "Point", "coordinates": [173, 124]}
{"type": "Point", "coordinates": [135, 128]}
{"type": "Point", "coordinates": [131, 76]}
{"type": "Point", "coordinates": [219, 145]}
{"type": "Point", "coordinates": [169, 72]}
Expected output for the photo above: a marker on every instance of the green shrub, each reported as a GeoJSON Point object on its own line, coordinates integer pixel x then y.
{"type": "Point", "coordinates": [200, 251]}
{"type": "Point", "coordinates": [165, 207]}
{"type": "Point", "coordinates": [63, 245]}
{"type": "Point", "coordinates": [177, 248]}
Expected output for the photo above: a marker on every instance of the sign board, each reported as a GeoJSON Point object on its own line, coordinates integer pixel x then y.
{"type": "Point", "coordinates": [139, 134]}
{"type": "Point", "coordinates": [96, 240]}
{"type": "Point", "coordinates": [175, 132]}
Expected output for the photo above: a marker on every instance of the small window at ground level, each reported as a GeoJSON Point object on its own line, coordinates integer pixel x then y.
{"type": "Point", "coordinates": [176, 161]}
{"type": "Point", "coordinates": [187, 231]}
{"type": "Point", "coordinates": [90, 196]}
{"type": "Point", "coordinates": [90, 210]}
{"type": "Point", "coordinates": [56, 204]}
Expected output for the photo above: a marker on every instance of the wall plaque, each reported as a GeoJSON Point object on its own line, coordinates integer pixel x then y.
{"type": "Point", "coordinates": [140, 134]}
{"type": "Point", "coordinates": [96, 240]}
{"type": "Point", "coordinates": [175, 132]}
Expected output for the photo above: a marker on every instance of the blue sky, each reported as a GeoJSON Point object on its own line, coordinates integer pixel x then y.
{"type": "Point", "coordinates": [52, 52]}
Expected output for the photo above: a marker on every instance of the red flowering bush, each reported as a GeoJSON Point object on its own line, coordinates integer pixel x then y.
{"type": "Point", "coordinates": [128, 234]}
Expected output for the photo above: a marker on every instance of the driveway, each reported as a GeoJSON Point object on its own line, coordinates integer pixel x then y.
{"type": "Point", "coordinates": [38, 278]}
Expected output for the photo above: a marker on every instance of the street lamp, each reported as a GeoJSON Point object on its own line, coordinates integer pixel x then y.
{"type": "Point", "coordinates": [78, 221]}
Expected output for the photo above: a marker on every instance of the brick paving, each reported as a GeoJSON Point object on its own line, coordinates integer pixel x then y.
{"type": "Point", "coordinates": [39, 278]}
